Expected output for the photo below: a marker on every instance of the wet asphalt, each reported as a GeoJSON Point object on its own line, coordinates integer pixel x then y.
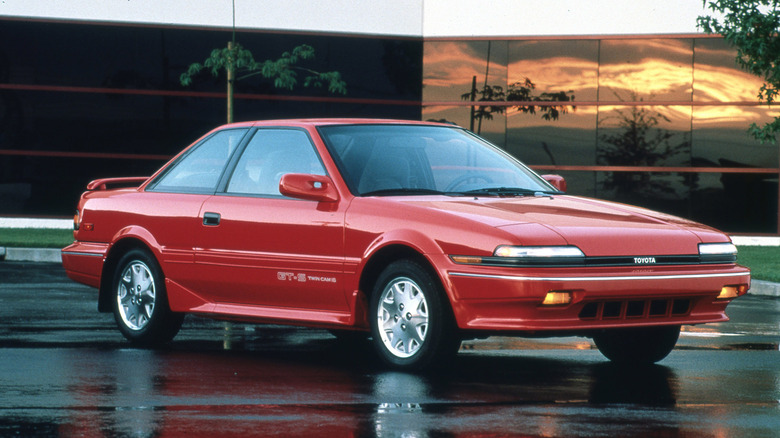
{"type": "Point", "coordinates": [66, 371]}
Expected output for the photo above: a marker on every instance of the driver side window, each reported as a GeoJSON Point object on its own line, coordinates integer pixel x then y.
{"type": "Point", "coordinates": [271, 154]}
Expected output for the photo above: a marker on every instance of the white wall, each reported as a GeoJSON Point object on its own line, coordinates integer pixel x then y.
{"type": "Point", "coordinates": [428, 18]}
{"type": "Point", "coordinates": [380, 17]}
{"type": "Point", "coordinates": [559, 17]}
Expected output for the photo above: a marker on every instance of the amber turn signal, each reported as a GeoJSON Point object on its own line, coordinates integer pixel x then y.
{"type": "Point", "coordinates": [557, 298]}
{"type": "Point", "coordinates": [731, 292]}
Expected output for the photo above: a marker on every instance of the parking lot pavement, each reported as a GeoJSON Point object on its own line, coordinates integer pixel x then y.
{"type": "Point", "coordinates": [66, 371]}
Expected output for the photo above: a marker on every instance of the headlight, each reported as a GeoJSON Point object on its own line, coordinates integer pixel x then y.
{"type": "Point", "coordinates": [537, 251]}
{"type": "Point", "coordinates": [717, 253]}
{"type": "Point", "coordinates": [507, 255]}
{"type": "Point", "coordinates": [717, 249]}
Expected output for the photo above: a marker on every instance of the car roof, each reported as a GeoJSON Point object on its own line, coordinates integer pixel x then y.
{"type": "Point", "coordinates": [332, 121]}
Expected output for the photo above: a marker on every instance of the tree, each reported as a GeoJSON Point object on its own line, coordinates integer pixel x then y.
{"type": "Point", "coordinates": [238, 63]}
{"type": "Point", "coordinates": [752, 27]}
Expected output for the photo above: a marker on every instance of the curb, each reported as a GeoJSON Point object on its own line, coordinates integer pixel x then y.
{"type": "Point", "coordinates": [47, 255]}
{"type": "Point", "coordinates": [764, 288]}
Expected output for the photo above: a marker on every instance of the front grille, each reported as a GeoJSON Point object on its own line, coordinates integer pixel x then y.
{"type": "Point", "coordinates": [635, 309]}
{"type": "Point", "coordinates": [610, 261]}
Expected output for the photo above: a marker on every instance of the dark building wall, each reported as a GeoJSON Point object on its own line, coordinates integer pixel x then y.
{"type": "Point", "coordinates": [83, 101]}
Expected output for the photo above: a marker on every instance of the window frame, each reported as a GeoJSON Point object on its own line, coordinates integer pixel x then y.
{"type": "Point", "coordinates": [232, 164]}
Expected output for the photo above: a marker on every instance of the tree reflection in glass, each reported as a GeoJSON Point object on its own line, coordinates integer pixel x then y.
{"type": "Point", "coordinates": [637, 138]}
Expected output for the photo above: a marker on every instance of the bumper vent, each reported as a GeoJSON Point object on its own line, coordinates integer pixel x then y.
{"type": "Point", "coordinates": [635, 309]}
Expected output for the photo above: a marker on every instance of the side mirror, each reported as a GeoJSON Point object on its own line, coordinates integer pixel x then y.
{"type": "Point", "coordinates": [310, 187]}
{"type": "Point", "coordinates": [557, 181]}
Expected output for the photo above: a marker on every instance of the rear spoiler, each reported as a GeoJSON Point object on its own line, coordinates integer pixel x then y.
{"type": "Point", "coordinates": [104, 183]}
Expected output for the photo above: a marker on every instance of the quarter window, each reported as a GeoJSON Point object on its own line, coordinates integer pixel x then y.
{"type": "Point", "coordinates": [200, 169]}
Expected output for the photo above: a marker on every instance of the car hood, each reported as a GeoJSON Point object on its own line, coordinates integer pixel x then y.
{"type": "Point", "coordinates": [598, 228]}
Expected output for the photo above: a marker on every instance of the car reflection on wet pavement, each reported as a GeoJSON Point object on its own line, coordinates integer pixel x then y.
{"type": "Point", "coordinates": [66, 371]}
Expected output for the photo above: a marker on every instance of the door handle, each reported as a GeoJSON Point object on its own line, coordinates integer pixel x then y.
{"type": "Point", "coordinates": [211, 219]}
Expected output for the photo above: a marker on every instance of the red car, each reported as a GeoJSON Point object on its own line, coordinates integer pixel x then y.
{"type": "Point", "coordinates": [417, 234]}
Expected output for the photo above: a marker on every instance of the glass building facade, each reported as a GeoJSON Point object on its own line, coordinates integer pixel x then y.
{"type": "Point", "coordinates": [659, 122]}
{"type": "Point", "coordinates": [654, 121]}
{"type": "Point", "coordinates": [82, 101]}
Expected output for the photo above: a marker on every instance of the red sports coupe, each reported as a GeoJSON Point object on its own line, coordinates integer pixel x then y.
{"type": "Point", "coordinates": [418, 235]}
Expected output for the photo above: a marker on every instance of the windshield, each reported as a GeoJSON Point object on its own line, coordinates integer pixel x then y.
{"type": "Point", "coordinates": [413, 159]}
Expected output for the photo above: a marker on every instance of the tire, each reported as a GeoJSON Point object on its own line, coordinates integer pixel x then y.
{"type": "Point", "coordinates": [412, 326]}
{"type": "Point", "coordinates": [637, 346]}
{"type": "Point", "coordinates": [140, 302]}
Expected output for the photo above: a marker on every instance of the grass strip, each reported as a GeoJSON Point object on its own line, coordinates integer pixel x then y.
{"type": "Point", "coordinates": [35, 237]}
{"type": "Point", "coordinates": [763, 261]}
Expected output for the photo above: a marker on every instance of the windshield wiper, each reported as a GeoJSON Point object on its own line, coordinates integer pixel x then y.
{"type": "Point", "coordinates": [508, 191]}
{"type": "Point", "coordinates": [402, 191]}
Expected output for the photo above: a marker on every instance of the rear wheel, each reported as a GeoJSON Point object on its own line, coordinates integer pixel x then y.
{"type": "Point", "coordinates": [412, 326]}
{"type": "Point", "coordinates": [140, 302]}
{"type": "Point", "coordinates": [637, 346]}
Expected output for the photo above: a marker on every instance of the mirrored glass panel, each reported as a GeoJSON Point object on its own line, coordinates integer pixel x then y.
{"type": "Point", "coordinates": [720, 137]}
{"type": "Point", "coordinates": [644, 136]}
{"type": "Point", "coordinates": [454, 70]}
{"type": "Point", "coordinates": [567, 69]}
{"type": "Point", "coordinates": [570, 140]}
{"type": "Point", "coordinates": [667, 192]}
{"type": "Point", "coordinates": [646, 70]}
{"type": "Point", "coordinates": [464, 71]}
{"type": "Point", "coordinates": [554, 73]}
{"type": "Point", "coordinates": [738, 203]}
{"type": "Point", "coordinates": [716, 75]}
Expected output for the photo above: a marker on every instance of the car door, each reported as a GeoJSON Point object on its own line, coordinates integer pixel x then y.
{"type": "Point", "coordinates": [170, 208]}
{"type": "Point", "coordinates": [259, 248]}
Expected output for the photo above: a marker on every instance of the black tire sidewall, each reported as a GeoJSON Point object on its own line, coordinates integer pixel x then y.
{"type": "Point", "coordinates": [637, 346]}
{"type": "Point", "coordinates": [162, 325]}
{"type": "Point", "coordinates": [440, 326]}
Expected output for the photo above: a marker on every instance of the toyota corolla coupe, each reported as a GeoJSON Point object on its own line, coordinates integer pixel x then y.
{"type": "Point", "coordinates": [416, 234]}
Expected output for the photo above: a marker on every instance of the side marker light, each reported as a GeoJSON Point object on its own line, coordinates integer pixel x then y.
{"type": "Point", "coordinates": [469, 260]}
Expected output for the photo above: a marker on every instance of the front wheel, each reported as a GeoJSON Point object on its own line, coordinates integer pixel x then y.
{"type": "Point", "coordinates": [412, 326]}
{"type": "Point", "coordinates": [637, 346]}
{"type": "Point", "coordinates": [140, 302]}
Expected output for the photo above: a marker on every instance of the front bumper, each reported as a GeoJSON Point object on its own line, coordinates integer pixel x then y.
{"type": "Point", "coordinates": [510, 299]}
